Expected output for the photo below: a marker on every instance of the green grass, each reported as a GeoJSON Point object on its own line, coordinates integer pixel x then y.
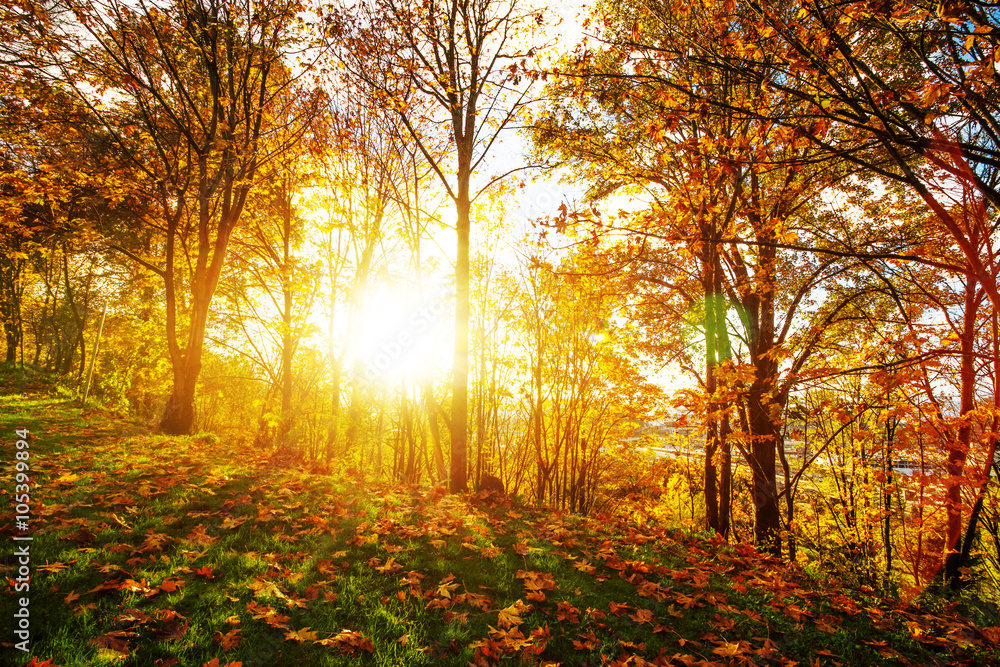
{"type": "Point", "coordinates": [150, 550]}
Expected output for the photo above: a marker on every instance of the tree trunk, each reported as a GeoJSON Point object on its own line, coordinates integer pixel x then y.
{"type": "Point", "coordinates": [711, 417]}
{"type": "Point", "coordinates": [726, 481]}
{"type": "Point", "coordinates": [767, 525]}
{"type": "Point", "coordinates": [960, 445]}
{"type": "Point", "coordinates": [10, 332]}
{"type": "Point", "coordinates": [724, 354]}
{"type": "Point", "coordinates": [11, 291]}
{"type": "Point", "coordinates": [460, 377]}
{"type": "Point", "coordinates": [287, 345]}
{"type": "Point", "coordinates": [763, 407]}
{"type": "Point", "coordinates": [178, 416]}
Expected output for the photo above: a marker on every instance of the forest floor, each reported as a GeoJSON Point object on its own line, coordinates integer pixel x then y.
{"type": "Point", "coordinates": [153, 550]}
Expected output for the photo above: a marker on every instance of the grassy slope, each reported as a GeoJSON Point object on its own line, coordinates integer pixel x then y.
{"type": "Point", "coordinates": [155, 551]}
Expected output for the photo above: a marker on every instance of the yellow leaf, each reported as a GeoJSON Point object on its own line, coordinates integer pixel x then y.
{"type": "Point", "coordinates": [509, 617]}
{"type": "Point", "coordinates": [302, 635]}
{"type": "Point", "coordinates": [727, 650]}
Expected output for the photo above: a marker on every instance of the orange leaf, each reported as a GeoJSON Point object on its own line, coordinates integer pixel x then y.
{"type": "Point", "coordinates": [390, 567]}
{"type": "Point", "coordinates": [728, 649]}
{"type": "Point", "coordinates": [509, 617]}
{"type": "Point", "coordinates": [229, 640]}
{"type": "Point", "coordinates": [617, 609]}
{"type": "Point", "coordinates": [589, 643]}
{"type": "Point", "coordinates": [302, 635]}
{"type": "Point", "coordinates": [171, 585]}
{"type": "Point", "coordinates": [643, 616]}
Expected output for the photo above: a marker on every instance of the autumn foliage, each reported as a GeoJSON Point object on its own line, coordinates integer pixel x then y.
{"type": "Point", "coordinates": [757, 295]}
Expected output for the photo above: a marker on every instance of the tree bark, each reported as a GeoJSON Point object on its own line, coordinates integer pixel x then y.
{"type": "Point", "coordinates": [287, 344]}
{"type": "Point", "coordinates": [458, 478]}
{"type": "Point", "coordinates": [711, 491]}
{"type": "Point", "coordinates": [178, 416]}
{"type": "Point", "coordinates": [959, 448]}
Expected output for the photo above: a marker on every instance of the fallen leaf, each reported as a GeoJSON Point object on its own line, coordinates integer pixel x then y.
{"type": "Point", "coordinates": [618, 609]}
{"type": "Point", "coordinates": [303, 635]}
{"type": "Point", "coordinates": [643, 616]}
{"type": "Point", "coordinates": [509, 617]}
{"type": "Point", "coordinates": [728, 649]}
{"type": "Point", "coordinates": [171, 585]}
{"type": "Point", "coordinates": [227, 641]}
{"type": "Point", "coordinates": [172, 630]}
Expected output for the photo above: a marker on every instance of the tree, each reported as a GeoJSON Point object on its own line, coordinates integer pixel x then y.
{"type": "Point", "coordinates": [196, 94]}
{"type": "Point", "coordinates": [904, 91]}
{"type": "Point", "coordinates": [728, 193]}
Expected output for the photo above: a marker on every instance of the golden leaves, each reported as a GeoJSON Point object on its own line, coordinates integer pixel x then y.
{"type": "Point", "coordinates": [536, 583]}
{"type": "Point", "coordinates": [511, 616]}
{"type": "Point", "coordinates": [350, 642]}
{"type": "Point", "coordinates": [301, 635]}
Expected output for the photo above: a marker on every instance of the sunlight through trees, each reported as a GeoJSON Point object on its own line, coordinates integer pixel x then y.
{"type": "Point", "coordinates": [300, 217]}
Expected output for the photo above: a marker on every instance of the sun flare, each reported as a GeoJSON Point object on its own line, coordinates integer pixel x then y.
{"type": "Point", "coordinates": [401, 336]}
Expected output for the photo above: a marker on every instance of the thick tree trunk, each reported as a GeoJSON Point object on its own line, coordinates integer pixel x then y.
{"type": "Point", "coordinates": [711, 418]}
{"type": "Point", "coordinates": [11, 334]}
{"type": "Point", "coordinates": [767, 525]}
{"type": "Point", "coordinates": [460, 375]}
{"type": "Point", "coordinates": [763, 406]}
{"type": "Point", "coordinates": [959, 449]}
{"type": "Point", "coordinates": [178, 416]}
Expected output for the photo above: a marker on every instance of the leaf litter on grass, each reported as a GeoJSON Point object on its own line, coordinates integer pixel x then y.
{"type": "Point", "coordinates": [199, 551]}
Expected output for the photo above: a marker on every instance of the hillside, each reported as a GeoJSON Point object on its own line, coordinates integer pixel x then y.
{"type": "Point", "coordinates": [149, 550]}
